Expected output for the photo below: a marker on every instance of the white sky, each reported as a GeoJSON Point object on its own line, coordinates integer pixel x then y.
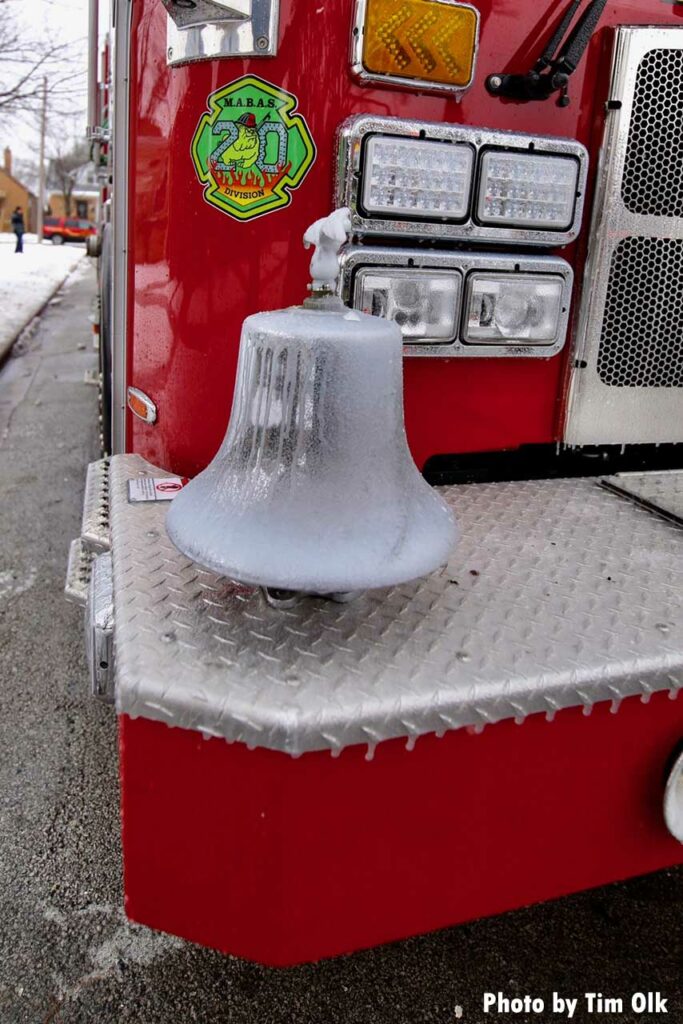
{"type": "Point", "coordinates": [63, 21]}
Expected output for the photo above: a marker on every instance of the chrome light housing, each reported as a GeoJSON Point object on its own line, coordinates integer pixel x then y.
{"type": "Point", "coordinates": [409, 179]}
{"type": "Point", "coordinates": [463, 303]}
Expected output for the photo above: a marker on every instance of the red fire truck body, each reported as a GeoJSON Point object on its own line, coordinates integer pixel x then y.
{"type": "Point", "coordinates": [186, 303]}
{"type": "Point", "coordinates": [240, 830]}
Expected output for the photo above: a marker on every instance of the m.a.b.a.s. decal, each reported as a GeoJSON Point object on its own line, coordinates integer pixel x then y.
{"type": "Point", "coordinates": [250, 150]}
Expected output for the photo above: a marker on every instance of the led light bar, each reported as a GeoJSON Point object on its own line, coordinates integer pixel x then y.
{"type": "Point", "coordinates": [415, 179]}
{"type": "Point", "coordinates": [454, 303]}
{"type": "Point", "coordinates": [409, 178]}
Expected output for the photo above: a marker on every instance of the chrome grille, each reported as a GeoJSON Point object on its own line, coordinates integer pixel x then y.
{"type": "Point", "coordinates": [653, 170]}
{"type": "Point", "coordinates": [641, 345]}
{"type": "Point", "coordinates": [627, 375]}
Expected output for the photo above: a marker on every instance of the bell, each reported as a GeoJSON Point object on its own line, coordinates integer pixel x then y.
{"type": "Point", "coordinates": [314, 488]}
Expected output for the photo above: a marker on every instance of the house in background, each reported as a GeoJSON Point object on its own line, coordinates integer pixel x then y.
{"type": "Point", "coordinates": [13, 194]}
{"type": "Point", "coordinates": [85, 195]}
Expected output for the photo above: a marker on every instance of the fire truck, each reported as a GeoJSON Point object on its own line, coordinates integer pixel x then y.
{"type": "Point", "coordinates": [303, 777]}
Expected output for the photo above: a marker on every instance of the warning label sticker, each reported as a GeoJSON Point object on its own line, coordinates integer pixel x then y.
{"type": "Point", "coordinates": [147, 488]}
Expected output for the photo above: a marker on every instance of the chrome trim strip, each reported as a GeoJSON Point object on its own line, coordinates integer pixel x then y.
{"type": "Point", "coordinates": [354, 257]}
{"type": "Point", "coordinates": [414, 84]}
{"type": "Point", "coordinates": [253, 33]}
{"type": "Point", "coordinates": [598, 413]}
{"type": "Point", "coordinates": [348, 183]}
{"type": "Point", "coordinates": [121, 123]}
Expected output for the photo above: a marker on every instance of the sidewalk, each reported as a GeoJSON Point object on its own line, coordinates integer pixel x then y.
{"type": "Point", "coordinates": [29, 280]}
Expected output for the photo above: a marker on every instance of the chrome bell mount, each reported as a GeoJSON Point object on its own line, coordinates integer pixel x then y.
{"type": "Point", "coordinates": [314, 491]}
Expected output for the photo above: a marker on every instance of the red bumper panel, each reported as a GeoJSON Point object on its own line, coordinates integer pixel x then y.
{"type": "Point", "coordinates": [284, 860]}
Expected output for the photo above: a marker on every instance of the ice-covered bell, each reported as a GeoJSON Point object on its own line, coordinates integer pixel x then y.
{"type": "Point", "coordinates": [314, 488]}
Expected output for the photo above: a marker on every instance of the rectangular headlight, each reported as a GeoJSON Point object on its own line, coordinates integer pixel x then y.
{"type": "Point", "coordinates": [512, 308]}
{"type": "Point", "coordinates": [424, 303]}
{"type": "Point", "coordinates": [416, 178]}
{"type": "Point", "coordinates": [453, 302]}
{"type": "Point", "coordinates": [527, 190]}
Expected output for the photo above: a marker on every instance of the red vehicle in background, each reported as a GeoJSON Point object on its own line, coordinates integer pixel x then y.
{"type": "Point", "coordinates": [67, 229]}
{"type": "Point", "coordinates": [513, 176]}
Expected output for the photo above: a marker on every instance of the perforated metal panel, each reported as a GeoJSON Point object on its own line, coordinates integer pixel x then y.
{"type": "Point", "coordinates": [627, 379]}
{"type": "Point", "coordinates": [641, 344]}
{"type": "Point", "coordinates": [654, 158]}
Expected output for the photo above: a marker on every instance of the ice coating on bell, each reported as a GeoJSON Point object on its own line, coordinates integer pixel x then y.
{"type": "Point", "coordinates": [314, 488]}
{"type": "Point", "coordinates": [327, 235]}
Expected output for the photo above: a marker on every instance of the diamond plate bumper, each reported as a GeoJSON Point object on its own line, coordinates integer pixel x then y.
{"type": "Point", "coordinates": [78, 572]}
{"type": "Point", "coordinates": [99, 628]}
{"type": "Point", "coordinates": [95, 536]}
{"type": "Point", "coordinates": [660, 492]}
{"type": "Point", "coordinates": [559, 594]}
{"type": "Point", "coordinates": [95, 522]}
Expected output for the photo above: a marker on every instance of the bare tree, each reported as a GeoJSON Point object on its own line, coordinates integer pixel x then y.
{"type": "Point", "coordinates": [62, 174]}
{"type": "Point", "coordinates": [25, 169]}
{"type": "Point", "coordinates": [26, 57]}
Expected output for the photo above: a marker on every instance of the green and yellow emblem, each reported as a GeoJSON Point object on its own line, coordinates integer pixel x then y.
{"type": "Point", "coordinates": [250, 149]}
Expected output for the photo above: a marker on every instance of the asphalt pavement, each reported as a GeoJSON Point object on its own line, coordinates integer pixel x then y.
{"type": "Point", "coordinates": [67, 953]}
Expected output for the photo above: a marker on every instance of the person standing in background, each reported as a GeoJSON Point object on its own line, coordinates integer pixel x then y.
{"type": "Point", "coordinates": [18, 228]}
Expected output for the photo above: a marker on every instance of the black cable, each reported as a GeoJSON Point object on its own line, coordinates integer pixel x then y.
{"type": "Point", "coordinates": [546, 58]}
{"type": "Point", "coordinates": [579, 38]}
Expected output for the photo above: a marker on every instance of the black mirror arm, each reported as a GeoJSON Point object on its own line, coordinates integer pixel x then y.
{"type": "Point", "coordinates": [550, 75]}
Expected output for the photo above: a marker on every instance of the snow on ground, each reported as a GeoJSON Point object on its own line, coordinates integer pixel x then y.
{"type": "Point", "coordinates": [28, 279]}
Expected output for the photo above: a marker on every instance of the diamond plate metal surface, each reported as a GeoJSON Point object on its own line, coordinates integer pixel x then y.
{"type": "Point", "coordinates": [661, 492]}
{"type": "Point", "coordinates": [95, 522]}
{"type": "Point", "coordinates": [99, 628]}
{"type": "Point", "coordinates": [559, 594]}
{"type": "Point", "coordinates": [78, 572]}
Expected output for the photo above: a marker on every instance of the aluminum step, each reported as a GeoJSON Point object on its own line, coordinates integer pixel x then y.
{"type": "Point", "coordinates": [95, 522]}
{"type": "Point", "coordinates": [78, 572]}
{"type": "Point", "coordinates": [660, 492]}
{"type": "Point", "coordinates": [99, 628]}
{"type": "Point", "coordinates": [94, 532]}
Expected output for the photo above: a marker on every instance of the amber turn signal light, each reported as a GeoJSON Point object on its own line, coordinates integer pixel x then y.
{"type": "Point", "coordinates": [429, 43]}
{"type": "Point", "coordinates": [141, 405]}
